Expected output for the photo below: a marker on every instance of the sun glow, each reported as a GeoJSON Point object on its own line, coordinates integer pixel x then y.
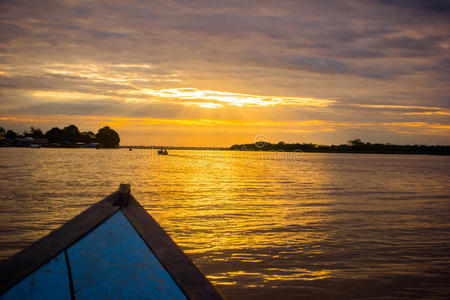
{"type": "Point", "coordinates": [66, 95]}
{"type": "Point", "coordinates": [217, 99]}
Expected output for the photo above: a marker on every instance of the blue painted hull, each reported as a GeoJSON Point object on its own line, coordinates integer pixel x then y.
{"type": "Point", "coordinates": [112, 260]}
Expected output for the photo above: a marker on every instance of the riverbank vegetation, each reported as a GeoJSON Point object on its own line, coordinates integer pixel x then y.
{"type": "Point", "coordinates": [353, 146]}
{"type": "Point", "coordinates": [67, 137]}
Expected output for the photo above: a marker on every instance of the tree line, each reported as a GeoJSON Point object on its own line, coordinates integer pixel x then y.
{"type": "Point", "coordinates": [68, 136]}
{"type": "Point", "coordinates": [353, 146]}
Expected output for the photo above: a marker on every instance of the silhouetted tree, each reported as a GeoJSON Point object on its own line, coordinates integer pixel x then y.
{"type": "Point", "coordinates": [55, 135]}
{"type": "Point", "coordinates": [108, 137]}
{"type": "Point", "coordinates": [10, 134]}
{"type": "Point", "coordinates": [87, 137]}
{"type": "Point", "coordinates": [2, 131]}
{"type": "Point", "coordinates": [71, 134]}
{"type": "Point", "coordinates": [36, 132]}
{"type": "Point", "coordinates": [351, 147]}
{"type": "Point", "coordinates": [355, 143]}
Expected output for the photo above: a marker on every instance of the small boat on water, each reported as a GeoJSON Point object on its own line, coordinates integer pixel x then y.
{"type": "Point", "coordinates": [112, 250]}
{"type": "Point", "coordinates": [162, 152]}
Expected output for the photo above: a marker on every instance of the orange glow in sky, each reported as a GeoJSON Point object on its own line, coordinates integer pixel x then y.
{"type": "Point", "coordinates": [274, 69]}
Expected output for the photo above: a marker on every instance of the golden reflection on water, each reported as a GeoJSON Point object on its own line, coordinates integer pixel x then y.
{"type": "Point", "coordinates": [270, 274]}
{"type": "Point", "coordinates": [249, 220]}
{"type": "Point", "coordinates": [235, 204]}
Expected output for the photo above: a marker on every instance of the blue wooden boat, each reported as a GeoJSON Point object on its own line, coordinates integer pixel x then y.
{"type": "Point", "coordinates": [113, 250]}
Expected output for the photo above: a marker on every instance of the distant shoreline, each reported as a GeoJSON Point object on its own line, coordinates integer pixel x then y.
{"type": "Point", "coordinates": [306, 148]}
{"type": "Point", "coordinates": [247, 150]}
{"type": "Point", "coordinates": [441, 150]}
{"type": "Point", "coordinates": [353, 147]}
{"type": "Point", "coordinates": [176, 147]}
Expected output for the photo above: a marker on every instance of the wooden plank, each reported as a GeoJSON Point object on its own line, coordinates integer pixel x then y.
{"type": "Point", "coordinates": [177, 263]}
{"type": "Point", "coordinates": [50, 281]}
{"type": "Point", "coordinates": [113, 262]}
{"type": "Point", "coordinates": [25, 262]}
{"type": "Point", "coordinates": [124, 194]}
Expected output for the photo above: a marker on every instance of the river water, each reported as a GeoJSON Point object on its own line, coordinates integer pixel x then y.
{"type": "Point", "coordinates": [260, 225]}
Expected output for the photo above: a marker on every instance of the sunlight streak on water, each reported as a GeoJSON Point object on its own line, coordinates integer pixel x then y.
{"type": "Point", "coordinates": [257, 224]}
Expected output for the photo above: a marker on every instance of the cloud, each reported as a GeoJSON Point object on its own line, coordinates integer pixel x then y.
{"type": "Point", "coordinates": [103, 57]}
{"type": "Point", "coordinates": [424, 7]}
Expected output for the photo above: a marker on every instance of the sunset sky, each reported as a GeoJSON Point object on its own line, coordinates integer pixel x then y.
{"type": "Point", "coordinates": [217, 73]}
